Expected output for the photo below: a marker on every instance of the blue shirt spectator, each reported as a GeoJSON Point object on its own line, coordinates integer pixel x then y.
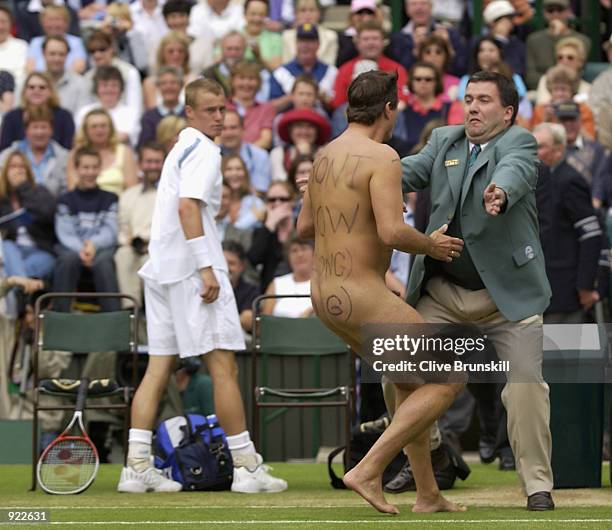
{"type": "Point", "coordinates": [305, 63]}
{"type": "Point", "coordinates": [77, 51]}
{"type": "Point", "coordinates": [87, 215]}
{"type": "Point", "coordinates": [86, 227]}
{"type": "Point", "coordinates": [169, 83]}
{"type": "Point", "coordinates": [255, 158]}
{"type": "Point", "coordinates": [285, 75]}
{"type": "Point", "coordinates": [55, 20]}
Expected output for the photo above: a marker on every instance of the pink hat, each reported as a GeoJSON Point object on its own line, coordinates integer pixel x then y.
{"type": "Point", "coordinates": [358, 5]}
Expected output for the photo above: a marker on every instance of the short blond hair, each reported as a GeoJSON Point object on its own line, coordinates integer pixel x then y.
{"type": "Point", "coordinates": [246, 69]}
{"type": "Point", "coordinates": [201, 86]}
{"type": "Point", "coordinates": [572, 42]}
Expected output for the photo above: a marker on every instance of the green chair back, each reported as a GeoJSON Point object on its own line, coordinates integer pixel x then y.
{"type": "Point", "coordinates": [87, 332]}
{"type": "Point", "coordinates": [299, 353]}
{"type": "Point", "coordinates": [297, 336]}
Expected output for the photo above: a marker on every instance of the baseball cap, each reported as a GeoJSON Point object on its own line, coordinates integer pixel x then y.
{"type": "Point", "coordinates": [498, 9]}
{"type": "Point", "coordinates": [568, 110]}
{"type": "Point", "coordinates": [358, 5]}
{"type": "Point", "coordinates": [307, 32]}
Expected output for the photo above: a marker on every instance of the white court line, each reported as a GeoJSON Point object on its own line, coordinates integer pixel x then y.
{"type": "Point", "coordinates": [331, 521]}
{"type": "Point", "coordinates": [255, 507]}
{"type": "Point", "coordinates": [204, 507]}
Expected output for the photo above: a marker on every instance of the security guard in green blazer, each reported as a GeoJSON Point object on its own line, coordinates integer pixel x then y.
{"type": "Point", "coordinates": [482, 178]}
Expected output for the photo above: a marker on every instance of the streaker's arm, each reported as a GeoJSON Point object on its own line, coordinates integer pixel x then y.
{"type": "Point", "coordinates": [305, 222]}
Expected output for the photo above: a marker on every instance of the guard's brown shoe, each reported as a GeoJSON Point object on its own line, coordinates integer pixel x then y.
{"type": "Point", "coordinates": [540, 502]}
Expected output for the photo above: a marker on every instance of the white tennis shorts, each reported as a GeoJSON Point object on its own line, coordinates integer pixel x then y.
{"type": "Point", "coordinates": [180, 322]}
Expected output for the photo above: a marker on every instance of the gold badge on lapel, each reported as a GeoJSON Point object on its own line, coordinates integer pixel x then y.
{"type": "Point", "coordinates": [450, 163]}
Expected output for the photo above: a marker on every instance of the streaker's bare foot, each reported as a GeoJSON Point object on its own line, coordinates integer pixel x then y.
{"type": "Point", "coordinates": [437, 504]}
{"type": "Point", "coordinates": [370, 488]}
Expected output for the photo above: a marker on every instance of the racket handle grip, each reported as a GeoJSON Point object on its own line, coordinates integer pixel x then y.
{"type": "Point", "coordinates": [82, 395]}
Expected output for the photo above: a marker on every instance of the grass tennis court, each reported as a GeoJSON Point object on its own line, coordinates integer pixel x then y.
{"type": "Point", "coordinates": [492, 496]}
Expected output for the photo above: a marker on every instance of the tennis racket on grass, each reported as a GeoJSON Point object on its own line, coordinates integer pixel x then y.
{"type": "Point", "coordinates": [70, 463]}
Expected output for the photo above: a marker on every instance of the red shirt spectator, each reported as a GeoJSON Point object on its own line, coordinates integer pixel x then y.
{"type": "Point", "coordinates": [257, 118]}
{"type": "Point", "coordinates": [370, 45]}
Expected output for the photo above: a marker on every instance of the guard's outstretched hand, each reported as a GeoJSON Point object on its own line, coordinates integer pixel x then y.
{"type": "Point", "coordinates": [494, 199]}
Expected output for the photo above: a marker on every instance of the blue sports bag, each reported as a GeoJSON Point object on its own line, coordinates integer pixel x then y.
{"type": "Point", "coordinates": [192, 450]}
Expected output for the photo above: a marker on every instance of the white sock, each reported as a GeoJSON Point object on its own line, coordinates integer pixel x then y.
{"type": "Point", "coordinates": [241, 444]}
{"type": "Point", "coordinates": [139, 449]}
{"type": "Point", "coordinates": [435, 437]}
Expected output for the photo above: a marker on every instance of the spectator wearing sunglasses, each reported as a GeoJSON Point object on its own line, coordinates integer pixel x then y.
{"type": "Point", "coordinates": [437, 52]}
{"type": "Point", "coordinates": [101, 49]}
{"type": "Point", "coordinates": [562, 83]}
{"type": "Point", "coordinates": [425, 103]}
{"type": "Point", "coordinates": [38, 90]}
{"type": "Point", "coordinates": [268, 240]}
{"type": "Point", "coordinates": [541, 44]}
{"type": "Point", "coordinates": [570, 52]}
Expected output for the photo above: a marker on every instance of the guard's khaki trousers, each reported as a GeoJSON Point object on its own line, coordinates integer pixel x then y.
{"type": "Point", "coordinates": [525, 395]}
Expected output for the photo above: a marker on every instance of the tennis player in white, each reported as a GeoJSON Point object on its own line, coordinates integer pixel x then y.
{"type": "Point", "coordinates": [190, 303]}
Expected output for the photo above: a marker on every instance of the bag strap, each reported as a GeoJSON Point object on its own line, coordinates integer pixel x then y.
{"type": "Point", "coordinates": [203, 427]}
{"type": "Point", "coordinates": [189, 432]}
{"type": "Point", "coordinates": [216, 443]}
{"type": "Point", "coordinates": [336, 482]}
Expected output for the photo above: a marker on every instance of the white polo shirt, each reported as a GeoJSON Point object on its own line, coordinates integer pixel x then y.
{"type": "Point", "coordinates": [192, 170]}
{"type": "Point", "coordinates": [204, 21]}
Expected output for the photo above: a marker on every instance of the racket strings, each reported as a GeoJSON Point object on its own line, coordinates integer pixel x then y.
{"type": "Point", "coordinates": [68, 466]}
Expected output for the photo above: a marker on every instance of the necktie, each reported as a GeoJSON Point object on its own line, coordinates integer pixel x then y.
{"type": "Point", "coordinates": [474, 155]}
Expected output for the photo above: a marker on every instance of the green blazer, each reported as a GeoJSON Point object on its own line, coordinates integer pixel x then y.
{"type": "Point", "coordinates": [506, 248]}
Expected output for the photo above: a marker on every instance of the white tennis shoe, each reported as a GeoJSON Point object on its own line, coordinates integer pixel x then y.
{"type": "Point", "coordinates": [251, 475]}
{"type": "Point", "coordinates": [151, 480]}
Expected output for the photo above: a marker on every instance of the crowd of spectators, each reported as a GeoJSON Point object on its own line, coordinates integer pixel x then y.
{"type": "Point", "coordinates": [92, 99]}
